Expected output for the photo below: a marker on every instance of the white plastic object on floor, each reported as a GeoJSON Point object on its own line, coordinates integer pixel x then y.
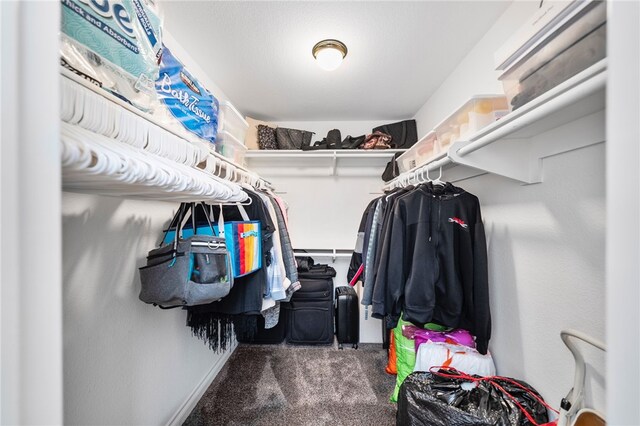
{"type": "Point", "coordinates": [575, 397]}
{"type": "Point", "coordinates": [462, 358]}
{"type": "Point", "coordinates": [231, 121]}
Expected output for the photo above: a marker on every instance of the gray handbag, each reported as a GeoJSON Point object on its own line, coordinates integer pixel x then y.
{"type": "Point", "coordinates": [186, 272]}
{"type": "Point", "coordinates": [292, 138]}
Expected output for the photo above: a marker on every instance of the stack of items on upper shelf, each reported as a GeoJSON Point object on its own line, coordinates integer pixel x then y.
{"type": "Point", "coordinates": [475, 114]}
{"type": "Point", "coordinates": [263, 135]}
{"type": "Point", "coordinates": [561, 41]}
{"type": "Point", "coordinates": [232, 133]}
{"type": "Point", "coordinates": [119, 48]}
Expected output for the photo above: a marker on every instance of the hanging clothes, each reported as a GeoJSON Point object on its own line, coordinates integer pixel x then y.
{"type": "Point", "coordinates": [246, 301]}
{"type": "Point", "coordinates": [430, 261]}
{"type": "Point", "coordinates": [288, 256]}
{"type": "Point", "coordinates": [356, 256]}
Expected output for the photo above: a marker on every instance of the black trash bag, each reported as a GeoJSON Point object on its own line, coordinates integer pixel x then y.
{"type": "Point", "coordinates": [434, 400]}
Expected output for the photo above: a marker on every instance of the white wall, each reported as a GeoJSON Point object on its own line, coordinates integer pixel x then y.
{"type": "Point", "coordinates": [476, 73]}
{"type": "Point", "coordinates": [623, 200]}
{"type": "Point", "coordinates": [31, 285]}
{"type": "Point", "coordinates": [125, 362]}
{"type": "Point", "coordinates": [545, 241]}
{"type": "Point", "coordinates": [546, 269]}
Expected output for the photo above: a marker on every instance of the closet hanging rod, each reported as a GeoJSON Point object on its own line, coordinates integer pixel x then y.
{"type": "Point", "coordinates": [119, 102]}
{"type": "Point", "coordinates": [94, 163]}
{"type": "Point", "coordinates": [320, 253]}
{"type": "Point", "coordinates": [349, 153]}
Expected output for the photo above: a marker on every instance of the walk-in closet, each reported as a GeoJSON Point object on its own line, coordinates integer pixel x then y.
{"type": "Point", "coordinates": [320, 213]}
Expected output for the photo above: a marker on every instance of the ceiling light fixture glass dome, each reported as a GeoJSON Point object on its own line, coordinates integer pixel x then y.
{"type": "Point", "coordinates": [329, 54]}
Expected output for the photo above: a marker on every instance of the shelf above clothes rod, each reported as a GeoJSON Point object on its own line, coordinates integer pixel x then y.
{"type": "Point", "coordinates": [110, 148]}
{"type": "Point", "coordinates": [515, 145]}
{"type": "Point", "coordinates": [321, 162]}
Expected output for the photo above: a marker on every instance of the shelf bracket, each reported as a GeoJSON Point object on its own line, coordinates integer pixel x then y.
{"type": "Point", "coordinates": [522, 158]}
{"type": "Point", "coordinates": [505, 158]}
{"type": "Point", "coordinates": [334, 169]}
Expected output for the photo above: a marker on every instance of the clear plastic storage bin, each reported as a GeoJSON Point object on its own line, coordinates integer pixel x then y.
{"type": "Point", "coordinates": [477, 113]}
{"type": "Point", "coordinates": [420, 153]}
{"type": "Point", "coordinates": [231, 121]}
{"type": "Point", "coordinates": [230, 147]}
{"type": "Point", "coordinates": [573, 45]}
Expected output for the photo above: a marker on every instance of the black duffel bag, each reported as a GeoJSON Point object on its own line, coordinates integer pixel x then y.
{"type": "Point", "coordinates": [292, 138]}
{"type": "Point", "coordinates": [392, 171]}
{"type": "Point", "coordinates": [404, 134]}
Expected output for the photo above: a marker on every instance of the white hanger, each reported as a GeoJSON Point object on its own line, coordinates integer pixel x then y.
{"type": "Point", "coordinates": [438, 181]}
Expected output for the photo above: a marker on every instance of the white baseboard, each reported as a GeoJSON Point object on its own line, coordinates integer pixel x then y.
{"type": "Point", "coordinates": [188, 405]}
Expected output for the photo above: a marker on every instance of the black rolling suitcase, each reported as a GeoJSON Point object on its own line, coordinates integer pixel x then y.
{"type": "Point", "coordinates": [310, 312]}
{"type": "Point", "coordinates": [347, 316]}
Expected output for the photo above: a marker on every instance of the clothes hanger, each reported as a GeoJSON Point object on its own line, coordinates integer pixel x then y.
{"type": "Point", "coordinates": [438, 180]}
{"type": "Point", "coordinates": [421, 178]}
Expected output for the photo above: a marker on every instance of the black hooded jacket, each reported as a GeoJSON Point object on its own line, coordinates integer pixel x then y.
{"type": "Point", "coordinates": [433, 265]}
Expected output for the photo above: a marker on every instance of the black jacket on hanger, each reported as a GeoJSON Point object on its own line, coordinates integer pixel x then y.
{"type": "Point", "coordinates": [433, 265]}
{"type": "Point", "coordinates": [356, 257]}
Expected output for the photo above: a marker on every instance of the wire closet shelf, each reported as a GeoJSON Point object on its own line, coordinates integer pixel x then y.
{"type": "Point", "coordinates": [110, 148]}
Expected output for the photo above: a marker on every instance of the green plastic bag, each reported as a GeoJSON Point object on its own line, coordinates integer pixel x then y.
{"type": "Point", "coordinates": [405, 356]}
{"type": "Point", "coordinates": [406, 353]}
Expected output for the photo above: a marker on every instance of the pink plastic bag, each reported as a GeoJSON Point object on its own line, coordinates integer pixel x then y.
{"type": "Point", "coordinates": [453, 337]}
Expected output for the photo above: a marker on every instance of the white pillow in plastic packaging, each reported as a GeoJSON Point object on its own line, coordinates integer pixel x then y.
{"type": "Point", "coordinates": [115, 44]}
{"type": "Point", "coordinates": [462, 358]}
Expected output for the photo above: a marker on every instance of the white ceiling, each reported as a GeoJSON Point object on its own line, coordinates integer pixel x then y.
{"type": "Point", "coordinates": [259, 53]}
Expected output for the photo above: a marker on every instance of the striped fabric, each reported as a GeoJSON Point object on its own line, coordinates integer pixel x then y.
{"type": "Point", "coordinates": [244, 242]}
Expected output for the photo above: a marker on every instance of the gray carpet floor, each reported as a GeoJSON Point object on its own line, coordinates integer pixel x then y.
{"type": "Point", "coordinates": [299, 385]}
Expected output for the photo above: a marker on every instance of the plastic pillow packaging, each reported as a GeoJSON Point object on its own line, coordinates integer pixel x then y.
{"type": "Point", "coordinates": [193, 106]}
{"type": "Point", "coordinates": [462, 358]}
{"type": "Point", "coordinates": [114, 44]}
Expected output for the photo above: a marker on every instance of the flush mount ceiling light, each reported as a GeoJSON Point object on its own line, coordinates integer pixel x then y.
{"type": "Point", "coordinates": [329, 54]}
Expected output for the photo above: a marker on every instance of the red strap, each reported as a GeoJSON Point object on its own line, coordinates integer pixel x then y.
{"type": "Point", "coordinates": [354, 280]}
{"type": "Point", "coordinates": [450, 372]}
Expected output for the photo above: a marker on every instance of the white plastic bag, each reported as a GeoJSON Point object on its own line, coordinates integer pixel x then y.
{"type": "Point", "coordinates": [462, 358]}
